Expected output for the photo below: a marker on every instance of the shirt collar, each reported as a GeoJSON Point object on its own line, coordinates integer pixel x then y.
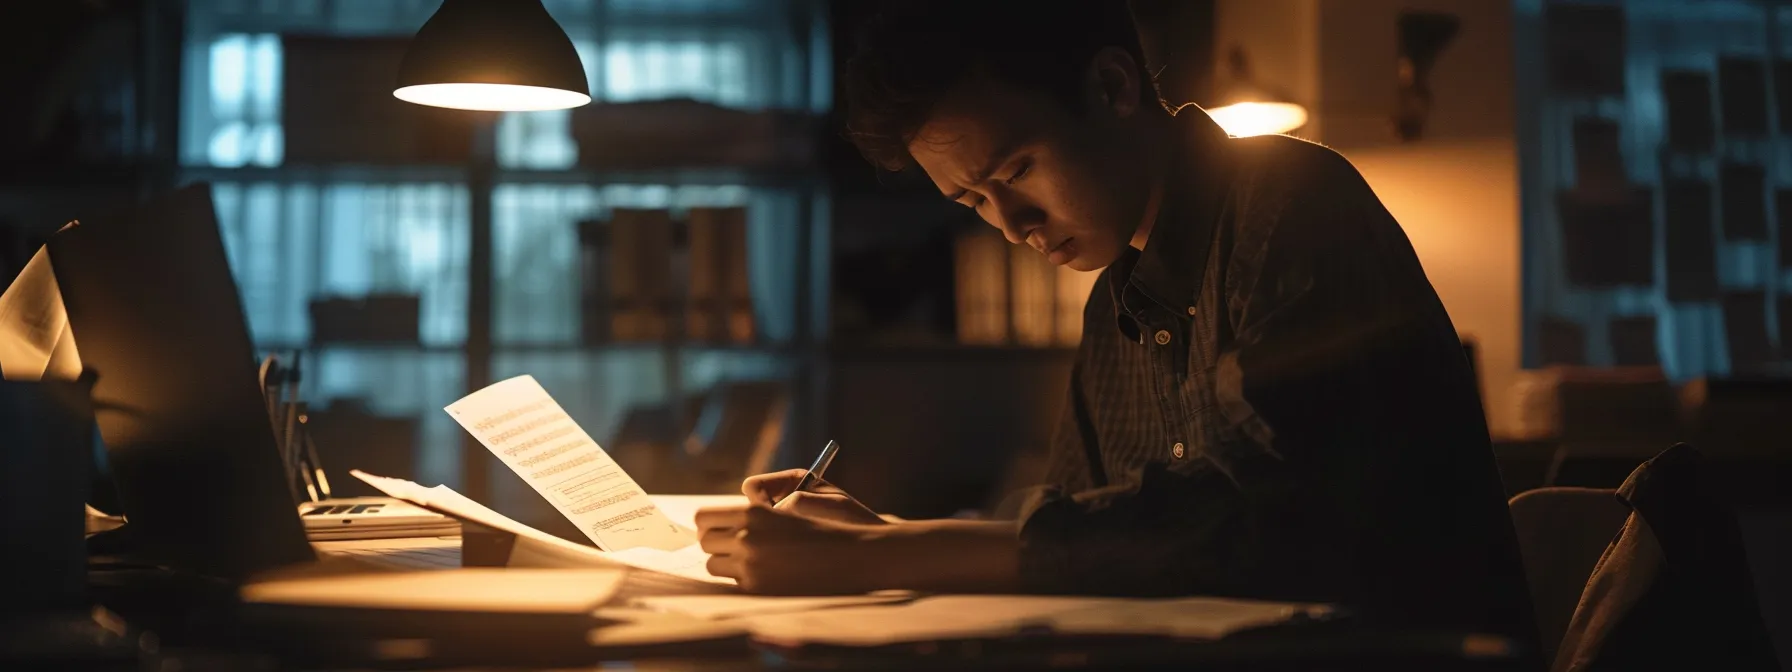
{"type": "Point", "coordinates": [1170, 268]}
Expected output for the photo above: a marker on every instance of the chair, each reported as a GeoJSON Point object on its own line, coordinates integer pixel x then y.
{"type": "Point", "coordinates": [1562, 532]}
{"type": "Point", "coordinates": [1673, 591]}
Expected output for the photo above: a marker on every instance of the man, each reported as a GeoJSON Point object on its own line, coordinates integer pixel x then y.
{"type": "Point", "coordinates": [1269, 399]}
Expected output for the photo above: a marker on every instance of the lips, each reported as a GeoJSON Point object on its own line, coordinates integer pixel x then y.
{"type": "Point", "coordinates": [1063, 252]}
{"type": "Point", "coordinates": [1060, 253]}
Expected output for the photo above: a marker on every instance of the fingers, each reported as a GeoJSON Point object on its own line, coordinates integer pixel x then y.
{"type": "Point", "coordinates": [767, 489]}
{"type": "Point", "coordinates": [721, 517]}
{"type": "Point", "coordinates": [813, 504]}
{"type": "Point", "coordinates": [822, 486]}
{"type": "Point", "coordinates": [721, 541]}
{"type": "Point", "coordinates": [724, 566]}
{"type": "Point", "coordinates": [724, 533]}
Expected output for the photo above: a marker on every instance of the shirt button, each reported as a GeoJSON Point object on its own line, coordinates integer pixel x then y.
{"type": "Point", "coordinates": [1163, 337]}
{"type": "Point", "coordinates": [1191, 310]}
{"type": "Point", "coordinates": [1178, 451]}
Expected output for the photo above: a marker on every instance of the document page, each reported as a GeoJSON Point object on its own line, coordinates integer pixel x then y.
{"type": "Point", "coordinates": [728, 606]}
{"type": "Point", "coordinates": [948, 617]}
{"type": "Point", "coordinates": [687, 563]}
{"type": "Point", "coordinates": [529, 591]}
{"type": "Point", "coordinates": [530, 433]}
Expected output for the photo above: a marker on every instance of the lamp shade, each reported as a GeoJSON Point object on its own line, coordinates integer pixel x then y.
{"type": "Point", "coordinates": [1259, 117]}
{"type": "Point", "coordinates": [1248, 108]}
{"type": "Point", "coordinates": [502, 55]}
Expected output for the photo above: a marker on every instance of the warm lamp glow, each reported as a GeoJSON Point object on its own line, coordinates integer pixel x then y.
{"type": "Point", "coordinates": [1255, 118]}
{"type": "Point", "coordinates": [493, 55]}
{"type": "Point", "coordinates": [491, 97]}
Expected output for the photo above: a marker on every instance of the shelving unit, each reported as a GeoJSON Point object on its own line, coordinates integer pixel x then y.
{"type": "Point", "coordinates": [486, 359]}
{"type": "Point", "coordinates": [468, 231]}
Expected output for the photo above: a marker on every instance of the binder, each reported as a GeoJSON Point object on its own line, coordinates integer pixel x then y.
{"type": "Point", "coordinates": [641, 297]}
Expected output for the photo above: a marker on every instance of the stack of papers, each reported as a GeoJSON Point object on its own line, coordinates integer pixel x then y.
{"type": "Point", "coordinates": [535, 548]}
{"type": "Point", "coordinates": [567, 592]}
{"type": "Point", "coordinates": [529, 432]}
{"type": "Point", "coordinates": [730, 607]}
{"type": "Point", "coordinates": [960, 617]}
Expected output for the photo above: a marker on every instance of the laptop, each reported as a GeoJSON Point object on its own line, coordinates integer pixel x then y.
{"type": "Point", "coordinates": [156, 315]}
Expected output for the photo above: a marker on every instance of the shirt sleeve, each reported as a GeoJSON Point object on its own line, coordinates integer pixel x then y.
{"type": "Point", "coordinates": [1257, 512]}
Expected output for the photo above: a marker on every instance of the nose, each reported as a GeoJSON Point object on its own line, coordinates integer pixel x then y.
{"type": "Point", "coordinates": [1017, 220]}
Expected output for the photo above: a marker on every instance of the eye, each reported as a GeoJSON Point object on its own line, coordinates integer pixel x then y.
{"type": "Point", "coordinates": [1020, 172]}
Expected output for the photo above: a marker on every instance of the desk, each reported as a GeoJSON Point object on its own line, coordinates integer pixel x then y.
{"type": "Point", "coordinates": [194, 629]}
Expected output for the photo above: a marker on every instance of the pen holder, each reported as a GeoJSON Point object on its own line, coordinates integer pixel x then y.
{"type": "Point", "coordinates": [46, 452]}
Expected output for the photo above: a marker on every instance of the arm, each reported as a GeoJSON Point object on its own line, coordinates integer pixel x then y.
{"type": "Point", "coordinates": [1258, 512]}
{"type": "Point", "coordinates": [777, 551]}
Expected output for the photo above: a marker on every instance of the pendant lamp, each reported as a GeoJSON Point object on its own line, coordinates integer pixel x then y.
{"type": "Point", "coordinates": [1247, 107]}
{"type": "Point", "coordinates": [498, 55]}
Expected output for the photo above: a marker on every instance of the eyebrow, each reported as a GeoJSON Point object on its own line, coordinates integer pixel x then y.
{"type": "Point", "coordinates": [1002, 156]}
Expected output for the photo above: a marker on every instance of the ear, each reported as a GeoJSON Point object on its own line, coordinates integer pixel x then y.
{"type": "Point", "coordinates": [1114, 82]}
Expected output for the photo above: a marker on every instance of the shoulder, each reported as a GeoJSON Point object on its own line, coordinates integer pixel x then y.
{"type": "Point", "coordinates": [1274, 169]}
{"type": "Point", "coordinates": [1299, 193]}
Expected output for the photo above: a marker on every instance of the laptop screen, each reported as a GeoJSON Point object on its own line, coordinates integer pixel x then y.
{"type": "Point", "coordinates": [155, 311]}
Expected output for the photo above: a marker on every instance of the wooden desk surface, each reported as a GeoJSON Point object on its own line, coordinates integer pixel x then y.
{"type": "Point", "coordinates": [194, 627]}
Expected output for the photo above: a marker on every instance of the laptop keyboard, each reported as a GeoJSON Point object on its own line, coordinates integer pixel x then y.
{"type": "Point", "coordinates": [428, 553]}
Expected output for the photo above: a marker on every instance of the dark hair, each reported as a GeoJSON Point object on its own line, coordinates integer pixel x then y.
{"type": "Point", "coordinates": [914, 53]}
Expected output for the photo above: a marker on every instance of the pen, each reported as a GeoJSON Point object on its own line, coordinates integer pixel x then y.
{"type": "Point", "coordinates": [816, 470]}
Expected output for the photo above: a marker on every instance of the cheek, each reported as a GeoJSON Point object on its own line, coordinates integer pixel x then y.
{"type": "Point", "coordinates": [1068, 198]}
{"type": "Point", "coordinates": [1078, 205]}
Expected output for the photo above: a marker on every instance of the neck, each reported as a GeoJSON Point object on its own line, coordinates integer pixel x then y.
{"type": "Point", "coordinates": [1157, 168]}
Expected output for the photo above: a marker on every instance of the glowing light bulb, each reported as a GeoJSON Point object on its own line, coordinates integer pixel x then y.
{"type": "Point", "coordinates": [491, 97]}
{"type": "Point", "coordinates": [1254, 118]}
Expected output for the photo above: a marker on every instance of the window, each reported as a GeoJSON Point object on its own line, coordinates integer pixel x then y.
{"type": "Point", "coordinates": [295, 235]}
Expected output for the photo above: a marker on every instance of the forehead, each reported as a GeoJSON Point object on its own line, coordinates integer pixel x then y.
{"type": "Point", "coordinates": [981, 119]}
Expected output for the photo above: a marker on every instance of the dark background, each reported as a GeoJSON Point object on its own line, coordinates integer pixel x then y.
{"type": "Point", "coordinates": [1598, 190]}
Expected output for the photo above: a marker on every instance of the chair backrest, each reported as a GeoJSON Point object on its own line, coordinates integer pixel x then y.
{"type": "Point", "coordinates": [1561, 534]}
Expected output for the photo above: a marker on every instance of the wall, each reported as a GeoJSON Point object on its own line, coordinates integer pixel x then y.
{"type": "Point", "coordinates": [1456, 191]}
{"type": "Point", "coordinates": [1280, 39]}
{"type": "Point", "coordinates": [1458, 201]}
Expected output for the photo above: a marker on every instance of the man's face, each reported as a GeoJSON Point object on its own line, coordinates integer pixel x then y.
{"type": "Point", "coordinates": [1070, 185]}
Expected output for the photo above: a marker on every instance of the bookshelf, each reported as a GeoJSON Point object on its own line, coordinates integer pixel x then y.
{"type": "Point", "coordinates": [485, 233]}
{"type": "Point", "coordinates": [678, 367]}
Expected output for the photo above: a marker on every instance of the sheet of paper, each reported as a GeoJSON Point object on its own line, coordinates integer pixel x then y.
{"type": "Point", "coordinates": [682, 509]}
{"type": "Point", "coordinates": [1189, 617]}
{"type": "Point", "coordinates": [950, 617]}
{"type": "Point", "coordinates": [568, 591]}
{"type": "Point", "coordinates": [930, 619]}
{"type": "Point", "coordinates": [531, 434]}
{"type": "Point", "coordinates": [35, 341]}
{"type": "Point", "coordinates": [688, 562]}
{"type": "Point", "coordinates": [718, 607]}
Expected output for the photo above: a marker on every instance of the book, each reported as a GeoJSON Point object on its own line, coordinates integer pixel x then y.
{"type": "Point", "coordinates": [594, 280]}
{"type": "Point", "coordinates": [719, 300]}
{"type": "Point", "coordinates": [640, 263]}
{"type": "Point", "coordinates": [737, 292]}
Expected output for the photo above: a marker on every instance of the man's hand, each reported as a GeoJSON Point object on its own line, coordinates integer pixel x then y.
{"type": "Point", "coordinates": [775, 551]}
{"type": "Point", "coordinates": [822, 500]}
